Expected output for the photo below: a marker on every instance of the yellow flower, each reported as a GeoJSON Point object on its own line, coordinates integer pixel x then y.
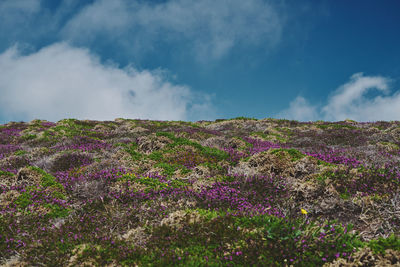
{"type": "Point", "coordinates": [303, 211]}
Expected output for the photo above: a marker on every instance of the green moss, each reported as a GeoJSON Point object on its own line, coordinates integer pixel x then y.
{"type": "Point", "coordinates": [321, 162]}
{"type": "Point", "coordinates": [20, 152]}
{"type": "Point", "coordinates": [294, 153]}
{"type": "Point", "coordinates": [169, 169]}
{"type": "Point", "coordinates": [178, 184]}
{"type": "Point", "coordinates": [208, 215]}
{"type": "Point", "coordinates": [156, 155]}
{"type": "Point", "coordinates": [56, 211]}
{"type": "Point", "coordinates": [270, 136]}
{"type": "Point", "coordinates": [205, 151]}
{"type": "Point", "coordinates": [131, 149]}
{"type": "Point", "coordinates": [152, 183]}
{"type": "Point", "coordinates": [345, 196]}
{"type": "Point", "coordinates": [166, 134]}
{"type": "Point", "coordinates": [48, 180]}
{"type": "Point", "coordinates": [322, 177]}
{"type": "Point", "coordinates": [6, 173]}
{"type": "Point", "coordinates": [29, 136]}
{"type": "Point", "coordinates": [24, 200]}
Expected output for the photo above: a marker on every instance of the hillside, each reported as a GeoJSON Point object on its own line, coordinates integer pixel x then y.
{"type": "Point", "coordinates": [237, 192]}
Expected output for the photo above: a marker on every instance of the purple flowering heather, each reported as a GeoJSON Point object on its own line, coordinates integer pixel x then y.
{"type": "Point", "coordinates": [83, 143]}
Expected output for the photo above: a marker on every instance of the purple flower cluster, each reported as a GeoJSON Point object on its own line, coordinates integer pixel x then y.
{"type": "Point", "coordinates": [83, 143]}
{"type": "Point", "coordinates": [234, 155]}
{"type": "Point", "coordinates": [260, 145]}
{"type": "Point", "coordinates": [68, 179]}
{"type": "Point", "coordinates": [256, 146]}
{"type": "Point", "coordinates": [189, 159]}
{"type": "Point", "coordinates": [249, 196]}
{"type": "Point", "coordinates": [335, 157]}
{"type": "Point", "coordinates": [7, 149]}
{"type": "Point", "coordinates": [10, 132]}
{"type": "Point", "coordinates": [48, 124]}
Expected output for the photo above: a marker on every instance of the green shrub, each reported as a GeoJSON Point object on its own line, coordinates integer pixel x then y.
{"type": "Point", "coordinates": [380, 245]}
{"type": "Point", "coordinates": [29, 136]}
{"type": "Point", "coordinates": [294, 153]}
{"type": "Point", "coordinates": [156, 155]}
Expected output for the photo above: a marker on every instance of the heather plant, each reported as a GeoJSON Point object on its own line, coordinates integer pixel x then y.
{"type": "Point", "coordinates": [14, 163]}
{"type": "Point", "coordinates": [66, 161]}
{"type": "Point", "coordinates": [83, 143]}
{"type": "Point", "coordinates": [334, 157]}
{"type": "Point", "coordinates": [9, 149]}
{"type": "Point", "coordinates": [8, 135]}
{"type": "Point", "coordinates": [88, 211]}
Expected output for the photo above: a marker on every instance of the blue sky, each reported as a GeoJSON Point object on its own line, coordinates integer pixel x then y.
{"type": "Point", "coordinates": [199, 59]}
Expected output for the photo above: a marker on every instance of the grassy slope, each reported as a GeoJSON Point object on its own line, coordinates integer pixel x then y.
{"type": "Point", "coordinates": [236, 192]}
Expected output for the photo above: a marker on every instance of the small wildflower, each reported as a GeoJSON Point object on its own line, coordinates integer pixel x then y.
{"type": "Point", "coordinates": [303, 211]}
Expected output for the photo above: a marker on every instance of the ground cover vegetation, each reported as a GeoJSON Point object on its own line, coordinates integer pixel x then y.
{"type": "Point", "coordinates": [236, 192]}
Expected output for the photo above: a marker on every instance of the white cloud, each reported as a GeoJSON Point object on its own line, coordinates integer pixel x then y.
{"type": "Point", "coordinates": [349, 101]}
{"type": "Point", "coordinates": [212, 28]}
{"type": "Point", "coordinates": [61, 81]}
{"type": "Point", "coordinates": [299, 109]}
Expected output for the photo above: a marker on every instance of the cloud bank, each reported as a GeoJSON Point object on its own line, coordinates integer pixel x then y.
{"type": "Point", "coordinates": [61, 81]}
{"type": "Point", "coordinates": [349, 101]}
{"type": "Point", "coordinates": [211, 28]}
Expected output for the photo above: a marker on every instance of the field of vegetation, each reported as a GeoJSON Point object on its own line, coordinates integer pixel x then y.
{"type": "Point", "coordinates": [235, 192]}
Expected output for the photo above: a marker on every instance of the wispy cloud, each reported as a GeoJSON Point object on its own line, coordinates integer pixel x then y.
{"type": "Point", "coordinates": [299, 109]}
{"type": "Point", "coordinates": [349, 101]}
{"type": "Point", "coordinates": [61, 81]}
{"type": "Point", "coordinates": [21, 6]}
{"type": "Point", "coordinates": [209, 28]}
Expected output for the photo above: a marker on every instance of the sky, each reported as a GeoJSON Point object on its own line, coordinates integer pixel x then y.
{"type": "Point", "coordinates": [193, 60]}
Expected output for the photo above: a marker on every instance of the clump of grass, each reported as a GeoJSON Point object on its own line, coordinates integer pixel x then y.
{"type": "Point", "coordinates": [66, 161]}
{"type": "Point", "coordinates": [169, 169]}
